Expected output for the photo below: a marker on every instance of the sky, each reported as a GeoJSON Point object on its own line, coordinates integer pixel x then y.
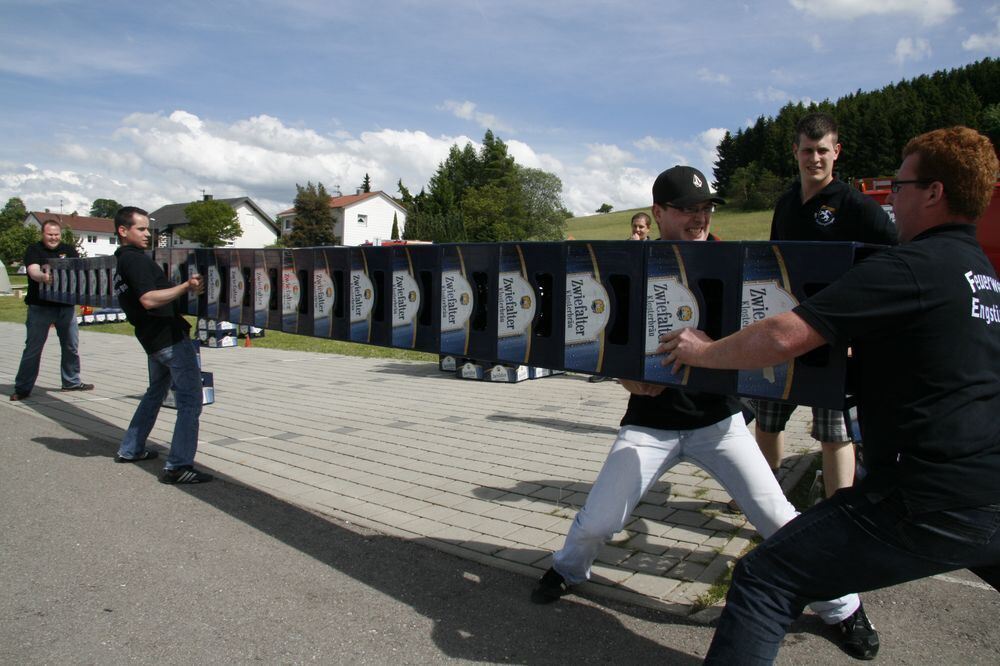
{"type": "Point", "coordinates": [155, 103]}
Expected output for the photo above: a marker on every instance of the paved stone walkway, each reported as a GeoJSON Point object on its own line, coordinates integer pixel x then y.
{"type": "Point", "coordinates": [490, 472]}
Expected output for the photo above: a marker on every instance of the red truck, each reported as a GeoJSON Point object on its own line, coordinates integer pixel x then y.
{"type": "Point", "coordinates": [987, 229]}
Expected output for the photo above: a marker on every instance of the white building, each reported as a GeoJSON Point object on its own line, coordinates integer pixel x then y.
{"type": "Point", "coordinates": [96, 234]}
{"type": "Point", "coordinates": [365, 217]}
{"type": "Point", "coordinates": [259, 230]}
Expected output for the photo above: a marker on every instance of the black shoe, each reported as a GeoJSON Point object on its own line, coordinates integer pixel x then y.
{"type": "Point", "coordinates": [860, 640]}
{"type": "Point", "coordinates": [593, 379]}
{"type": "Point", "coordinates": [145, 455]}
{"type": "Point", "coordinates": [550, 587]}
{"type": "Point", "coordinates": [14, 397]}
{"type": "Point", "coordinates": [78, 387]}
{"type": "Point", "coordinates": [186, 474]}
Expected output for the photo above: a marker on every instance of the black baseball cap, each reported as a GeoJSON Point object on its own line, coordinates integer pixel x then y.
{"type": "Point", "coordinates": [683, 186]}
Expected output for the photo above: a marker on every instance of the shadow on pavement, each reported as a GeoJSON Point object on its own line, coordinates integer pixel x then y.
{"type": "Point", "coordinates": [479, 613]}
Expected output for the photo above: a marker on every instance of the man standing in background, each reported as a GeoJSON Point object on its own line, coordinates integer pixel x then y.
{"type": "Point", "coordinates": [640, 227]}
{"type": "Point", "coordinates": [820, 208]}
{"type": "Point", "coordinates": [43, 314]}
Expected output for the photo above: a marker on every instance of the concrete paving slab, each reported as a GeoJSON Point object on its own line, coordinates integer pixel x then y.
{"type": "Point", "coordinates": [491, 472]}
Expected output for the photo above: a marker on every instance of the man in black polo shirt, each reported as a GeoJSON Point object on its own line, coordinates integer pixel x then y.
{"type": "Point", "coordinates": [818, 207]}
{"type": "Point", "coordinates": [923, 320]}
{"type": "Point", "coordinates": [42, 314]}
{"type": "Point", "coordinates": [149, 302]}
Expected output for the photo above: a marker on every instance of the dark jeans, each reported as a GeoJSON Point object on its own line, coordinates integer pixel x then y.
{"type": "Point", "coordinates": [40, 318]}
{"type": "Point", "coordinates": [849, 543]}
{"type": "Point", "coordinates": [177, 365]}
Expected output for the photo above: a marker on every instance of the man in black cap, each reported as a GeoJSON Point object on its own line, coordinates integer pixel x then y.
{"type": "Point", "coordinates": [663, 426]}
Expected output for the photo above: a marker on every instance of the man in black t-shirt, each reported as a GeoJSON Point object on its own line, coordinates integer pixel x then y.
{"type": "Point", "coordinates": [818, 207]}
{"type": "Point", "coordinates": [43, 314]}
{"type": "Point", "coordinates": [923, 320]}
{"type": "Point", "coordinates": [149, 302]}
{"type": "Point", "coordinates": [663, 426]}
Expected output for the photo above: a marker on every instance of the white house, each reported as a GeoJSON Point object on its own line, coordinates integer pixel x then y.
{"type": "Point", "coordinates": [365, 217]}
{"type": "Point", "coordinates": [96, 234]}
{"type": "Point", "coordinates": [259, 230]}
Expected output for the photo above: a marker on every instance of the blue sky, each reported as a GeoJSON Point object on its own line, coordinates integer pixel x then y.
{"type": "Point", "coordinates": [151, 103]}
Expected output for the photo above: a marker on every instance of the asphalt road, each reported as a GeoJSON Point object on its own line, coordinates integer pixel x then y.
{"type": "Point", "coordinates": [99, 563]}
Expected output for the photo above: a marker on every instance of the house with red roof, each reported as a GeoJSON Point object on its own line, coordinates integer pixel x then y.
{"type": "Point", "coordinates": [364, 217]}
{"type": "Point", "coordinates": [96, 234]}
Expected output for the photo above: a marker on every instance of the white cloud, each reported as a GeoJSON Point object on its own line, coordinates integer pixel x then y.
{"type": "Point", "coordinates": [605, 156]}
{"type": "Point", "coordinates": [467, 111]}
{"type": "Point", "coordinates": [712, 77]}
{"type": "Point", "coordinates": [771, 94]}
{"type": "Point", "coordinates": [909, 48]}
{"type": "Point", "coordinates": [989, 41]}
{"type": "Point", "coordinates": [816, 42]}
{"type": "Point", "coordinates": [155, 159]}
{"type": "Point", "coordinates": [929, 12]}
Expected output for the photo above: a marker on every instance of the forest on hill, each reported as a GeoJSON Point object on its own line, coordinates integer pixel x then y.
{"type": "Point", "coordinates": [755, 165]}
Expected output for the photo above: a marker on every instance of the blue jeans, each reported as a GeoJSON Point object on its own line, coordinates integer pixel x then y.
{"type": "Point", "coordinates": [40, 318]}
{"type": "Point", "coordinates": [177, 364]}
{"type": "Point", "coordinates": [849, 543]}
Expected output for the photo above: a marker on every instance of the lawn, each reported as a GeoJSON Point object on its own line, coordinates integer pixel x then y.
{"type": "Point", "coordinates": [726, 224]}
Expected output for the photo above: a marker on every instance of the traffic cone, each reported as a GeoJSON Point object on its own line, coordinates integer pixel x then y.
{"type": "Point", "coordinates": [247, 343]}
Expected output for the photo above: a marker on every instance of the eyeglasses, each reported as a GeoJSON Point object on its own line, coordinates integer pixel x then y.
{"type": "Point", "coordinates": [694, 210]}
{"type": "Point", "coordinates": [897, 185]}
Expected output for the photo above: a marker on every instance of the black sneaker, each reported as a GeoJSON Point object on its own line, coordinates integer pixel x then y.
{"type": "Point", "coordinates": [78, 387]}
{"type": "Point", "coordinates": [145, 455]}
{"type": "Point", "coordinates": [186, 474]}
{"type": "Point", "coordinates": [550, 587]}
{"type": "Point", "coordinates": [860, 640]}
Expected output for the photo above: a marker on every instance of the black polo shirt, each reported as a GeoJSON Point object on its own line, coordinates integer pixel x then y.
{"type": "Point", "coordinates": [137, 274]}
{"type": "Point", "coordinates": [838, 212]}
{"type": "Point", "coordinates": [37, 253]}
{"type": "Point", "coordinates": [679, 410]}
{"type": "Point", "coordinates": [924, 322]}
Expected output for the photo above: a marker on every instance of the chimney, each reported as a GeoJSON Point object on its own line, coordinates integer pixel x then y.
{"type": "Point", "coordinates": [206, 197]}
{"type": "Point", "coordinates": [359, 190]}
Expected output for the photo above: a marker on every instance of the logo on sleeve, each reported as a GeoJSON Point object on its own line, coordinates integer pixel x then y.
{"type": "Point", "coordinates": [825, 216]}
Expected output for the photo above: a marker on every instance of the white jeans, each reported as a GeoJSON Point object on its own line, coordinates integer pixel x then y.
{"type": "Point", "coordinates": [640, 456]}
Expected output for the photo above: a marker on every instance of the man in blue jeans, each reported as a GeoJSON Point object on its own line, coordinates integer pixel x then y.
{"type": "Point", "coordinates": [43, 314]}
{"type": "Point", "coordinates": [149, 302]}
{"type": "Point", "coordinates": [923, 320]}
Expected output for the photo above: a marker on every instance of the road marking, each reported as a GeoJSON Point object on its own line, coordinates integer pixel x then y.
{"type": "Point", "coordinates": [961, 581]}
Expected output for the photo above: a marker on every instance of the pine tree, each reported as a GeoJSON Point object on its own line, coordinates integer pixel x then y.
{"type": "Point", "coordinates": [395, 227]}
{"type": "Point", "coordinates": [366, 184]}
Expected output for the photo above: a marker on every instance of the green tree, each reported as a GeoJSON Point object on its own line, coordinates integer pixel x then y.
{"type": "Point", "coordinates": [395, 228]}
{"type": "Point", "coordinates": [541, 195]}
{"type": "Point", "coordinates": [210, 223]}
{"type": "Point", "coordinates": [313, 223]}
{"type": "Point", "coordinates": [366, 184]}
{"type": "Point", "coordinates": [104, 208]}
{"type": "Point", "coordinates": [605, 208]}
{"type": "Point", "coordinates": [13, 214]}
{"type": "Point", "coordinates": [991, 123]}
{"type": "Point", "coordinates": [754, 188]}
{"type": "Point", "coordinates": [14, 241]}
{"type": "Point", "coordinates": [71, 239]}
